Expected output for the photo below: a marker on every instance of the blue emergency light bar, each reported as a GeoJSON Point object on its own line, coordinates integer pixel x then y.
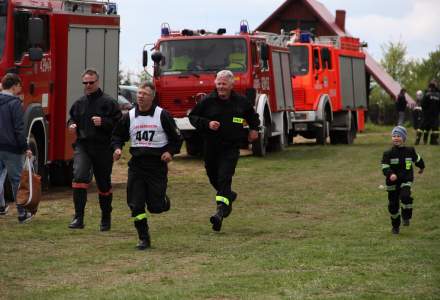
{"type": "Point", "coordinates": [305, 37]}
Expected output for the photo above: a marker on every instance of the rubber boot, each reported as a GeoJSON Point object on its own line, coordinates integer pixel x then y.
{"type": "Point", "coordinates": [105, 202]}
{"type": "Point", "coordinates": [228, 209]}
{"type": "Point", "coordinates": [418, 137]}
{"type": "Point", "coordinates": [395, 223]}
{"type": "Point", "coordinates": [79, 201]}
{"type": "Point", "coordinates": [143, 233]}
{"type": "Point", "coordinates": [217, 219]}
{"type": "Point", "coordinates": [434, 139]}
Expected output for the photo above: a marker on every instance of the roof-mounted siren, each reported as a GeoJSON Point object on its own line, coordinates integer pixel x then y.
{"type": "Point", "coordinates": [165, 29]}
{"type": "Point", "coordinates": [221, 31]}
{"type": "Point", "coordinates": [244, 27]}
{"type": "Point", "coordinates": [187, 32]}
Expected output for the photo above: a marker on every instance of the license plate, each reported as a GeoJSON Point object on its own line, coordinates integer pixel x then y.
{"type": "Point", "coordinates": [301, 127]}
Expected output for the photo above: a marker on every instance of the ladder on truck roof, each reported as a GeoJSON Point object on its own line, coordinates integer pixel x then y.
{"type": "Point", "coordinates": [341, 42]}
{"type": "Point", "coordinates": [89, 6]}
{"type": "Point", "coordinates": [274, 39]}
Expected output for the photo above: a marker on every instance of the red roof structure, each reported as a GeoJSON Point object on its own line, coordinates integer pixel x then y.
{"type": "Point", "coordinates": [308, 14]}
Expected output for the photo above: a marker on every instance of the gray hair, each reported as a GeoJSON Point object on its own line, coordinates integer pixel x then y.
{"type": "Point", "coordinates": [225, 74]}
{"type": "Point", "coordinates": [148, 84]}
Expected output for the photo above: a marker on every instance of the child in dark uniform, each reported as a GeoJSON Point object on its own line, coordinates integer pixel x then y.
{"type": "Point", "coordinates": [397, 166]}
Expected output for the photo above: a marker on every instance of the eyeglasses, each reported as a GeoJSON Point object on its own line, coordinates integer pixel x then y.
{"type": "Point", "coordinates": [89, 82]}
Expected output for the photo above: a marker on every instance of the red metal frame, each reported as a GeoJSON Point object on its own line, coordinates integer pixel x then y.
{"type": "Point", "coordinates": [50, 75]}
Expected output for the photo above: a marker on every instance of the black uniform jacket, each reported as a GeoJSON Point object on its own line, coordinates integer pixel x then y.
{"type": "Point", "coordinates": [431, 102]}
{"type": "Point", "coordinates": [121, 134]}
{"type": "Point", "coordinates": [399, 160]}
{"type": "Point", "coordinates": [95, 104]}
{"type": "Point", "coordinates": [230, 113]}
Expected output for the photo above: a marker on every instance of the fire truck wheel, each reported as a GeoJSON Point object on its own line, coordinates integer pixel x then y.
{"type": "Point", "coordinates": [61, 173]}
{"type": "Point", "coordinates": [37, 154]}
{"type": "Point", "coordinates": [259, 147]}
{"type": "Point", "coordinates": [322, 132]}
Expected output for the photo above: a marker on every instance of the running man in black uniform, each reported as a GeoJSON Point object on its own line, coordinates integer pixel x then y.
{"type": "Point", "coordinates": [154, 140]}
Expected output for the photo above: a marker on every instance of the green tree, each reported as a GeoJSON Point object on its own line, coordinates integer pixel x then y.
{"type": "Point", "coordinates": [395, 62]}
{"type": "Point", "coordinates": [144, 76]}
{"type": "Point", "coordinates": [429, 68]}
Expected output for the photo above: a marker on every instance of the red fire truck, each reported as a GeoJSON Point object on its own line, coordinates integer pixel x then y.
{"type": "Point", "coordinates": [329, 86]}
{"type": "Point", "coordinates": [185, 66]}
{"type": "Point", "coordinates": [49, 43]}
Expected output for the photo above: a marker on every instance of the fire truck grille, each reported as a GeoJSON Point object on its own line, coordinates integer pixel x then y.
{"type": "Point", "coordinates": [299, 96]}
{"type": "Point", "coordinates": [177, 103]}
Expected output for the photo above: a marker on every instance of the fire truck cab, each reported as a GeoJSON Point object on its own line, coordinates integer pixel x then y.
{"type": "Point", "coordinates": [329, 86]}
{"type": "Point", "coordinates": [185, 67]}
{"type": "Point", "coordinates": [49, 43]}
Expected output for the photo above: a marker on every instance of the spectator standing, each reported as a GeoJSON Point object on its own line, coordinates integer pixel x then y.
{"type": "Point", "coordinates": [401, 107]}
{"type": "Point", "coordinates": [417, 116]}
{"type": "Point", "coordinates": [13, 142]}
{"type": "Point", "coordinates": [431, 111]}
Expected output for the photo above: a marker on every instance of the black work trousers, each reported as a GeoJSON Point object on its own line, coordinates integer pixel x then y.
{"type": "Point", "coordinates": [89, 161]}
{"type": "Point", "coordinates": [399, 196]}
{"type": "Point", "coordinates": [147, 185]}
{"type": "Point", "coordinates": [220, 162]}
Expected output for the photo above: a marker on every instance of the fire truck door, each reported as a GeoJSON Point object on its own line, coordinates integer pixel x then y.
{"type": "Point", "coordinates": [282, 81]}
{"type": "Point", "coordinates": [328, 74]}
{"type": "Point", "coordinates": [96, 48]}
{"type": "Point", "coordinates": [317, 70]}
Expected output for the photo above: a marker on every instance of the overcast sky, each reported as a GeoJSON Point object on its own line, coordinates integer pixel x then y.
{"type": "Point", "coordinates": [414, 22]}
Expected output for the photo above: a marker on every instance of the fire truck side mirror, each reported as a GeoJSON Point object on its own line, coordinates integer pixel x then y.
{"type": "Point", "coordinates": [264, 52]}
{"type": "Point", "coordinates": [144, 58]}
{"type": "Point", "coordinates": [157, 57]}
{"type": "Point", "coordinates": [35, 29]}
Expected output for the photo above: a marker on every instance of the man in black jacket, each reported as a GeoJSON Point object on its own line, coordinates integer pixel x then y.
{"type": "Point", "coordinates": [401, 107]}
{"type": "Point", "coordinates": [431, 111]}
{"type": "Point", "coordinates": [13, 143]}
{"type": "Point", "coordinates": [154, 140]}
{"type": "Point", "coordinates": [221, 117]}
{"type": "Point", "coordinates": [93, 117]}
{"type": "Point", "coordinates": [397, 167]}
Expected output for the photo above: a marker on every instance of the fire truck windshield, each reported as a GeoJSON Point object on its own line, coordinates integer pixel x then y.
{"type": "Point", "coordinates": [203, 55]}
{"type": "Point", "coordinates": [299, 60]}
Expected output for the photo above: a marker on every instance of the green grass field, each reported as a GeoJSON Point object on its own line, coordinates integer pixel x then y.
{"type": "Point", "coordinates": [309, 223]}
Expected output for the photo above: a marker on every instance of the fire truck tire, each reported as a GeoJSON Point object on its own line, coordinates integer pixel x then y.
{"type": "Point", "coordinates": [38, 155]}
{"type": "Point", "coordinates": [335, 137]}
{"type": "Point", "coordinates": [290, 137]}
{"type": "Point", "coordinates": [322, 132]}
{"type": "Point", "coordinates": [343, 137]}
{"type": "Point", "coordinates": [259, 147]}
{"type": "Point", "coordinates": [61, 174]}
